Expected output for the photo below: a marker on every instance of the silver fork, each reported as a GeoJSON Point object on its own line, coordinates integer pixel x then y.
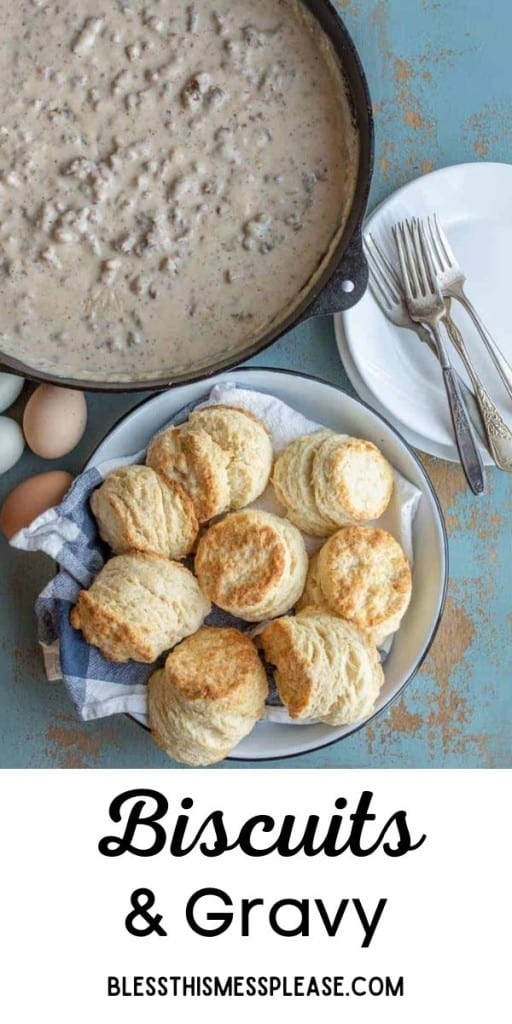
{"type": "Point", "coordinates": [451, 281]}
{"type": "Point", "coordinates": [426, 305]}
{"type": "Point", "coordinates": [499, 435]}
{"type": "Point", "coordinates": [388, 292]}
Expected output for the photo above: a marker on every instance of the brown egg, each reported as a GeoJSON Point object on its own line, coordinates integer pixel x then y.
{"type": "Point", "coordinates": [54, 420]}
{"type": "Point", "coordinates": [32, 497]}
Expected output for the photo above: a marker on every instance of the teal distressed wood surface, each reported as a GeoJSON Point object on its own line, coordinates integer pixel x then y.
{"type": "Point", "coordinates": [439, 72]}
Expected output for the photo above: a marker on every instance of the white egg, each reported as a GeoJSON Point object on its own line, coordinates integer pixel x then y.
{"type": "Point", "coordinates": [10, 387]}
{"type": "Point", "coordinates": [12, 443]}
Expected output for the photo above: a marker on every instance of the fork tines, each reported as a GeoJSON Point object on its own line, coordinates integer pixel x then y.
{"type": "Point", "coordinates": [383, 275]}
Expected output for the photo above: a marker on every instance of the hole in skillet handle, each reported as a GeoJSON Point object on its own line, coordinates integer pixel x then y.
{"type": "Point", "coordinates": [346, 286]}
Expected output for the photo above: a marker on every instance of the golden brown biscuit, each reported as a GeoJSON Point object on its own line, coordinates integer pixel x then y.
{"type": "Point", "coordinates": [208, 697]}
{"type": "Point", "coordinates": [365, 577]}
{"type": "Point", "coordinates": [325, 480]}
{"type": "Point", "coordinates": [137, 510]}
{"type": "Point", "coordinates": [246, 442]}
{"type": "Point", "coordinates": [292, 478]}
{"type": "Point", "coordinates": [352, 481]}
{"type": "Point", "coordinates": [190, 457]}
{"type": "Point", "coordinates": [252, 564]}
{"type": "Point", "coordinates": [325, 667]}
{"type": "Point", "coordinates": [139, 606]}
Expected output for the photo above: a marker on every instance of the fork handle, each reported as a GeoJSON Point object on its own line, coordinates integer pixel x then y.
{"type": "Point", "coordinates": [498, 433]}
{"type": "Point", "coordinates": [464, 434]}
{"type": "Point", "coordinates": [502, 365]}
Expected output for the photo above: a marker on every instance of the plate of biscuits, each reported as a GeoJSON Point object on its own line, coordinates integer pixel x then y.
{"type": "Point", "coordinates": [274, 566]}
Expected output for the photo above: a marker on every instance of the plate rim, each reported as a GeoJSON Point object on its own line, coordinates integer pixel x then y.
{"type": "Point", "coordinates": [417, 441]}
{"type": "Point", "coordinates": [473, 167]}
{"type": "Point", "coordinates": [319, 745]}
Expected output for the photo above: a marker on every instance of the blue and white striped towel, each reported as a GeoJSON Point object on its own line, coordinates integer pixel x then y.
{"type": "Point", "coordinates": [69, 535]}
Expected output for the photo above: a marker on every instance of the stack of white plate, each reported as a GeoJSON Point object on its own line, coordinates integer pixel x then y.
{"type": "Point", "coordinates": [391, 368]}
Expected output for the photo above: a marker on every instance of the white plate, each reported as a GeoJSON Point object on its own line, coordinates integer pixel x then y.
{"type": "Point", "coordinates": [326, 404]}
{"type": "Point", "coordinates": [447, 452]}
{"type": "Point", "coordinates": [399, 374]}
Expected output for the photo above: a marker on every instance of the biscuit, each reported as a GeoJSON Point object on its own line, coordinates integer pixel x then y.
{"type": "Point", "coordinates": [246, 442]}
{"type": "Point", "coordinates": [190, 457]}
{"type": "Point", "coordinates": [137, 510]}
{"type": "Point", "coordinates": [252, 564]}
{"type": "Point", "coordinates": [312, 595]}
{"type": "Point", "coordinates": [325, 667]}
{"type": "Point", "coordinates": [208, 696]}
{"type": "Point", "coordinates": [364, 576]}
{"type": "Point", "coordinates": [139, 606]}
{"type": "Point", "coordinates": [352, 481]}
{"type": "Point", "coordinates": [292, 479]}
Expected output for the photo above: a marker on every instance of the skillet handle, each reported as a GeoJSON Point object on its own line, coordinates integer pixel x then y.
{"type": "Point", "coordinates": [346, 286]}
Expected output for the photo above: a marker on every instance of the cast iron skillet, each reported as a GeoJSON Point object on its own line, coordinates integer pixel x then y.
{"type": "Point", "coordinates": [345, 277]}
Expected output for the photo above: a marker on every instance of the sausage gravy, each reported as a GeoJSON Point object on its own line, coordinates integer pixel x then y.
{"type": "Point", "coordinates": [172, 176]}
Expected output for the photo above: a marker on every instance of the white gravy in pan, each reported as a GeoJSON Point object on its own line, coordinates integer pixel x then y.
{"type": "Point", "coordinates": [172, 175]}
